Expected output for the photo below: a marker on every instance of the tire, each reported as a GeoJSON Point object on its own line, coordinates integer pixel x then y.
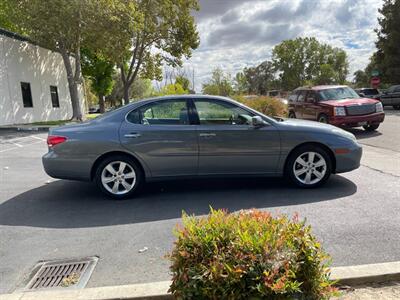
{"type": "Point", "coordinates": [396, 107]}
{"type": "Point", "coordinates": [119, 185]}
{"type": "Point", "coordinates": [371, 127]}
{"type": "Point", "coordinates": [292, 115]}
{"type": "Point", "coordinates": [298, 166]}
{"type": "Point", "coordinates": [323, 119]}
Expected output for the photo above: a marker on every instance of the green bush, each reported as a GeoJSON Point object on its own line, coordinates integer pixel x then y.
{"type": "Point", "coordinates": [248, 255]}
{"type": "Point", "coordinates": [269, 106]}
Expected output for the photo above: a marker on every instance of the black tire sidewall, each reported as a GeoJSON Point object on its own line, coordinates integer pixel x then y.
{"type": "Point", "coordinates": [294, 155]}
{"type": "Point", "coordinates": [132, 163]}
{"type": "Point", "coordinates": [292, 115]}
{"type": "Point", "coordinates": [371, 127]}
{"type": "Point", "coordinates": [325, 117]}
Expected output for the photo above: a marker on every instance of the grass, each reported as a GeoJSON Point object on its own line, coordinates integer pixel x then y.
{"type": "Point", "coordinates": [50, 123]}
{"type": "Point", "coordinates": [91, 116]}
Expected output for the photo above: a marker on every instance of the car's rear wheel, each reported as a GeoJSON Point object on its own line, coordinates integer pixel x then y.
{"type": "Point", "coordinates": [292, 115]}
{"type": "Point", "coordinates": [309, 166]}
{"type": "Point", "coordinates": [119, 176]}
{"type": "Point", "coordinates": [323, 119]}
{"type": "Point", "coordinates": [371, 127]}
{"type": "Point", "coordinates": [397, 107]}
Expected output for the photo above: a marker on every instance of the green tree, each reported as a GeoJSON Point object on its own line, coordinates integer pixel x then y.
{"type": "Point", "coordinates": [361, 78]}
{"type": "Point", "coordinates": [240, 83]}
{"type": "Point", "coordinates": [149, 33]}
{"type": "Point", "coordinates": [388, 43]}
{"type": "Point", "coordinates": [261, 78]}
{"type": "Point", "coordinates": [100, 71]}
{"type": "Point", "coordinates": [141, 88]}
{"type": "Point", "coordinates": [183, 81]}
{"type": "Point", "coordinates": [219, 84]}
{"type": "Point", "coordinates": [63, 26]}
{"type": "Point", "coordinates": [173, 89]}
{"type": "Point", "coordinates": [307, 60]}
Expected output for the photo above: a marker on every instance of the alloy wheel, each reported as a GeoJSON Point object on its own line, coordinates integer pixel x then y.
{"type": "Point", "coordinates": [309, 168]}
{"type": "Point", "coordinates": [118, 177]}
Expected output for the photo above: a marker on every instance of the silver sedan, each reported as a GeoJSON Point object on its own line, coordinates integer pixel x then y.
{"type": "Point", "coordinates": [193, 136]}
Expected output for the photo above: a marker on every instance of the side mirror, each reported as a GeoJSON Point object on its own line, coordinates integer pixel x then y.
{"type": "Point", "coordinates": [257, 121]}
{"type": "Point", "coordinates": [361, 94]}
{"type": "Point", "coordinates": [311, 99]}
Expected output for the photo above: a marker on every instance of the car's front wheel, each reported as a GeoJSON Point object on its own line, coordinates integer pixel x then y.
{"type": "Point", "coordinates": [119, 176]}
{"type": "Point", "coordinates": [397, 107]}
{"type": "Point", "coordinates": [292, 115]}
{"type": "Point", "coordinates": [309, 166]}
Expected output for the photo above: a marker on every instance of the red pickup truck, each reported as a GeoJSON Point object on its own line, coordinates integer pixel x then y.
{"type": "Point", "coordinates": [338, 105]}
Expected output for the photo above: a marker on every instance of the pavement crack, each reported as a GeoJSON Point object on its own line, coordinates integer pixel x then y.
{"type": "Point", "coordinates": [380, 171]}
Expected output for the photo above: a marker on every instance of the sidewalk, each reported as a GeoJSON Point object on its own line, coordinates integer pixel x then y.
{"type": "Point", "coordinates": [387, 291]}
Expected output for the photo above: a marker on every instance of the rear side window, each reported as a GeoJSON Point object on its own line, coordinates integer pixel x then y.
{"type": "Point", "coordinates": [293, 96]}
{"type": "Point", "coordinates": [302, 96]}
{"type": "Point", "coordinates": [174, 112]}
{"type": "Point", "coordinates": [397, 89]}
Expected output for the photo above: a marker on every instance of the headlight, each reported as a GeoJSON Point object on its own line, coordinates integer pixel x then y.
{"type": "Point", "coordinates": [379, 107]}
{"type": "Point", "coordinates": [340, 111]}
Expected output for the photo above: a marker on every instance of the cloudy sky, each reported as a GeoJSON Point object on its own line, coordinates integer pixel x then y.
{"type": "Point", "coordinates": [239, 33]}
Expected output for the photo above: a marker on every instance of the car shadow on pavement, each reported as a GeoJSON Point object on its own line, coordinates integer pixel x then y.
{"type": "Point", "coordinates": [362, 134]}
{"type": "Point", "coordinates": [68, 204]}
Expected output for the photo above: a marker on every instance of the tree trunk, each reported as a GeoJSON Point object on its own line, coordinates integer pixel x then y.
{"type": "Point", "coordinates": [126, 93]}
{"type": "Point", "coordinates": [72, 86]}
{"type": "Point", "coordinates": [101, 103]}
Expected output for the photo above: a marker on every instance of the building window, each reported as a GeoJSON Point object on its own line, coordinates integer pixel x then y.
{"type": "Point", "coordinates": [26, 94]}
{"type": "Point", "coordinates": [54, 96]}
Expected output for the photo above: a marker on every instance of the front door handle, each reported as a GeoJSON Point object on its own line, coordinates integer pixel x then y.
{"type": "Point", "coordinates": [207, 134]}
{"type": "Point", "coordinates": [132, 135]}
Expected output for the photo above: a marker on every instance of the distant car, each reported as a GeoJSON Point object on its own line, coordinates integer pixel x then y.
{"type": "Point", "coordinates": [194, 135]}
{"type": "Point", "coordinates": [94, 110]}
{"type": "Point", "coordinates": [368, 93]}
{"type": "Point", "coordinates": [337, 105]}
{"type": "Point", "coordinates": [391, 97]}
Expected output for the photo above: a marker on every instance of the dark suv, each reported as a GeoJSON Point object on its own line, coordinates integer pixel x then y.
{"type": "Point", "coordinates": [338, 105]}
{"type": "Point", "coordinates": [391, 97]}
{"type": "Point", "coordinates": [368, 92]}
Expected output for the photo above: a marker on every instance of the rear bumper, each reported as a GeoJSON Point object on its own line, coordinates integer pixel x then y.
{"type": "Point", "coordinates": [356, 121]}
{"type": "Point", "coordinates": [74, 169]}
{"type": "Point", "coordinates": [349, 161]}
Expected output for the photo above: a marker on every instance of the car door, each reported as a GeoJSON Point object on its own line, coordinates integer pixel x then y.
{"type": "Point", "coordinates": [310, 108]}
{"type": "Point", "coordinates": [386, 97]}
{"type": "Point", "coordinates": [300, 104]}
{"type": "Point", "coordinates": [161, 135]}
{"type": "Point", "coordinates": [396, 96]}
{"type": "Point", "coordinates": [229, 144]}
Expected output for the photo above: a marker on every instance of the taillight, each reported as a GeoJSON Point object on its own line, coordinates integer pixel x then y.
{"type": "Point", "coordinates": [53, 140]}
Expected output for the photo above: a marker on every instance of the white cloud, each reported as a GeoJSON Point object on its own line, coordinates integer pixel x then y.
{"type": "Point", "coordinates": [235, 34]}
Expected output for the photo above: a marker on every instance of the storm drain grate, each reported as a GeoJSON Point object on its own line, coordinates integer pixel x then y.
{"type": "Point", "coordinates": [62, 274]}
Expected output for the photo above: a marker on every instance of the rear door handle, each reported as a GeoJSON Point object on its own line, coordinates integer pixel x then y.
{"type": "Point", "coordinates": [132, 135]}
{"type": "Point", "coordinates": [207, 134]}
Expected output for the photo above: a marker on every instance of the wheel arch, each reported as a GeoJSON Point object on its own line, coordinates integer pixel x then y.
{"type": "Point", "coordinates": [113, 153]}
{"type": "Point", "coordinates": [321, 145]}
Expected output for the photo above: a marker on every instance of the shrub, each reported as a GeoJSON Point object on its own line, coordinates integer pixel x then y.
{"type": "Point", "coordinates": [269, 106]}
{"type": "Point", "coordinates": [248, 255]}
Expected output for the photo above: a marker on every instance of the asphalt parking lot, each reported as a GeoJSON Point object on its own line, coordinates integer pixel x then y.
{"type": "Point", "coordinates": [356, 215]}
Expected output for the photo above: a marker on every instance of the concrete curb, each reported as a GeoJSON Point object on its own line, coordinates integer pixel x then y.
{"type": "Point", "coordinates": [351, 275]}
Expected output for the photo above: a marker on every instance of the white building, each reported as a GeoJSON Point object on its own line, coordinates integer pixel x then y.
{"type": "Point", "coordinates": [33, 83]}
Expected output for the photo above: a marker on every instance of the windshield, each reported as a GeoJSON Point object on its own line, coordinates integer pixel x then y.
{"type": "Point", "coordinates": [370, 92]}
{"type": "Point", "coordinates": [337, 94]}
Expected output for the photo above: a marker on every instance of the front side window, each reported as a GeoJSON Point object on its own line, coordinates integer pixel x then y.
{"type": "Point", "coordinates": [174, 112]}
{"type": "Point", "coordinates": [26, 94]}
{"type": "Point", "coordinates": [54, 96]}
{"type": "Point", "coordinates": [221, 113]}
{"type": "Point", "coordinates": [293, 97]}
{"type": "Point", "coordinates": [311, 97]}
{"type": "Point", "coordinates": [338, 93]}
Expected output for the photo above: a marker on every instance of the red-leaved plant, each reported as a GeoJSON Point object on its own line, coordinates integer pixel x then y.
{"type": "Point", "coordinates": [248, 255]}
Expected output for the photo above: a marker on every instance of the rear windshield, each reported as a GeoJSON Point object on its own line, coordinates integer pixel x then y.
{"type": "Point", "coordinates": [370, 92]}
{"type": "Point", "coordinates": [337, 94]}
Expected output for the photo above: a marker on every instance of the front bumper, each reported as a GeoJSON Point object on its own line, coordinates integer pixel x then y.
{"type": "Point", "coordinates": [349, 161]}
{"type": "Point", "coordinates": [356, 121]}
